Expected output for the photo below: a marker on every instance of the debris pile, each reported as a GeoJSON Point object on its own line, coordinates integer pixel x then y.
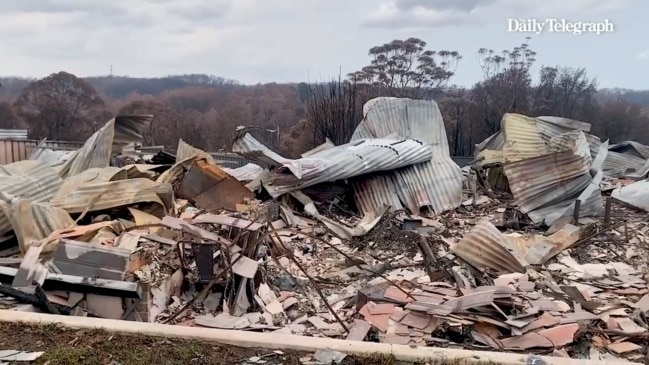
{"type": "Point", "coordinates": [383, 239]}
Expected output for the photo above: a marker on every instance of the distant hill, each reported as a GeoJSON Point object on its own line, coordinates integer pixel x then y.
{"type": "Point", "coordinates": [119, 87]}
{"type": "Point", "coordinates": [640, 97]}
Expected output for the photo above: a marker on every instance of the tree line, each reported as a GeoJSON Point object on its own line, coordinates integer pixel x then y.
{"type": "Point", "coordinates": [204, 110]}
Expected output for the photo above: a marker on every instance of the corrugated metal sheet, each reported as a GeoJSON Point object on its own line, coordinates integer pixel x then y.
{"type": "Point", "coordinates": [640, 173]}
{"type": "Point", "coordinates": [185, 151]}
{"type": "Point", "coordinates": [487, 158]}
{"type": "Point", "coordinates": [620, 164]}
{"type": "Point", "coordinates": [590, 198]}
{"type": "Point", "coordinates": [436, 184]}
{"type": "Point", "coordinates": [13, 134]}
{"type": "Point", "coordinates": [566, 123]}
{"type": "Point", "coordinates": [631, 148]}
{"type": "Point", "coordinates": [627, 159]}
{"type": "Point", "coordinates": [527, 137]}
{"type": "Point", "coordinates": [419, 172]}
{"type": "Point", "coordinates": [487, 249]}
{"type": "Point", "coordinates": [551, 130]}
{"type": "Point", "coordinates": [251, 148]}
{"type": "Point", "coordinates": [33, 221]}
{"type": "Point", "coordinates": [343, 162]}
{"type": "Point", "coordinates": [108, 195]}
{"type": "Point", "coordinates": [523, 139]}
{"type": "Point", "coordinates": [53, 158]}
{"type": "Point", "coordinates": [548, 179]}
{"type": "Point", "coordinates": [248, 172]}
{"type": "Point", "coordinates": [550, 162]}
{"type": "Point", "coordinates": [93, 175]}
{"type": "Point", "coordinates": [96, 152]}
{"type": "Point", "coordinates": [31, 180]}
{"type": "Point", "coordinates": [375, 190]}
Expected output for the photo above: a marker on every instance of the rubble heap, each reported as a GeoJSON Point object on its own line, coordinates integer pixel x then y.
{"type": "Point", "coordinates": [382, 239]}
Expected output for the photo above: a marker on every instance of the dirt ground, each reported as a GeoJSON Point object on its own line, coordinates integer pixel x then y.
{"type": "Point", "coordinates": [63, 347]}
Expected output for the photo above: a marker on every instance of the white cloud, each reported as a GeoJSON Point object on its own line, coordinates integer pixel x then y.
{"type": "Point", "coordinates": [439, 13]}
{"type": "Point", "coordinates": [644, 55]}
{"type": "Point", "coordinates": [282, 40]}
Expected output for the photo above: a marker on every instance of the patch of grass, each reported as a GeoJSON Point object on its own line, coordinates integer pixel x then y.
{"type": "Point", "coordinates": [69, 355]}
{"type": "Point", "coordinates": [371, 359]}
{"type": "Point", "coordinates": [89, 347]}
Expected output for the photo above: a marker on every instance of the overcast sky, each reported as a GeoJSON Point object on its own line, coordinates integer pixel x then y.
{"type": "Point", "coordinates": [296, 40]}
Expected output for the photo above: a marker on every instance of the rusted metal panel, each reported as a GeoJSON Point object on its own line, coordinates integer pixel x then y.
{"type": "Point", "coordinates": [488, 249]}
{"type": "Point", "coordinates": [114, 194]}
{"type": "Point", "coordinates": [547, 179]}
{"type": "Point", "coordinates": [209, 187]}
{"type": "Point", "coordinates": [27, 179]}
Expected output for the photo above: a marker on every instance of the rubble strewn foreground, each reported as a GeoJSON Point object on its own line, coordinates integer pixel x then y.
{"type": "Point", "coordinates": [539, 247]}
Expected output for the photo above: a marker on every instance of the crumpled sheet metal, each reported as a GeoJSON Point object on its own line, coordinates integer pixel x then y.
{"type": "Point", "coordinates": [346, 161]}
{"type": "Point", "coordinates": [553, 177]}
{"type": "Point", "coordinates": [631, 148]}
{"type": "Point", "coordinates": [523, 140]}
{"type": "Point", "coordinates": [566, 123]}
{"type": "Point", "coordinates": [486, 248]}
{"type": "Point", "coordinates": [436, 183]}
{"type": "Point", "coordinates": [247, 172]}
{"type": "Point", "coordinates": [640, 173]}
{"type": "Point", "coordinates": [251, 148]}
{"type": "Point", "coordinates": [551, 130]}
{"type": "Point", "coordinates": [52, 158]}
{"type": "Point", "coordinates": [622, 165]}
{"type": "Point", "coordinates": [627, 159]}
{"type": "Point", "coordinates": [590, 198]}
{"type": "Point", "coordinates": [32, 221]}
{"type": "Point", "coordinates": [186, 151]}
{"type": "Point", "coordinates": [113, 194]}
{"type": "Point", "coordinates": [525, 137]}
{"type": "Point", "coordinates": [495, 142]}
{"type": "Point", "coordinates": [361, 229]}
{"type": "Point", "coordinates": [355, 158]}
{"type": "Point", "coordinates": [27, 179]}
{"type": "Point", "coordinates": [92, 175]}
{"type": "Point", "coordinates": [96, 152]}
{"type": "Point", "coordinates": [635, 195]}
